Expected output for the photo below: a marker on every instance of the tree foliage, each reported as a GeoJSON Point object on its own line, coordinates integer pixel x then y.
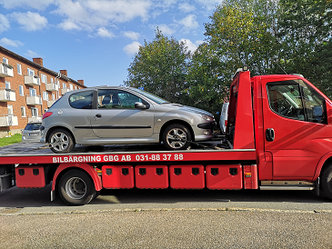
{"type": "Point", "coordinates": [160, 67]}
{"type": "Point", "coordinates": [305, 31]}
{"type": "Point", "coordinates": [269, 36]}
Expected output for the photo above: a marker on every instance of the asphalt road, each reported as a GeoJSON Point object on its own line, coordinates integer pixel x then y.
{"type": "Point", "coordinates": [166, 219]}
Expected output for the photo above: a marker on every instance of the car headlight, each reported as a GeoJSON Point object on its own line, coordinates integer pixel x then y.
{"type": "Point", "coordinates": [207, 118]}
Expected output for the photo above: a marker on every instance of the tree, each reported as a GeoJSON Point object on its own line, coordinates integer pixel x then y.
{"type": "Point", "coordinates": [240, 33]}
{"type": "Point", "coordinates": [160, 67]}
{"type": "Point", "coordinates": [306, 34]}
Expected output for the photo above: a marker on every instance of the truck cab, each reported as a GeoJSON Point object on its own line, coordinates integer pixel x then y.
{"type": "Point", "coordinates": [289, 123]}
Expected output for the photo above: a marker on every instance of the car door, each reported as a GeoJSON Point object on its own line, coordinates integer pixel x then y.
{"type": "Point", "coordinates": [117, 117]}
{"type": "Point", "coordinates": [295, 126]}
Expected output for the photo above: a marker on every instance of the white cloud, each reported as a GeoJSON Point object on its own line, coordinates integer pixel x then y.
{"type": "Point", "coordinates": [132, 35]}
{"type": "Point", "coordinates": [189, 22]}
{"type": "Point", "coordinates": [190, 45]}
{"type": "Point", "coordinates": [4, 23]}
{"type": "Point", "coordinates": [7, 42]}
{"type": "Point", "coordinates": [165, 29]}
{"type": "Point", "coordinates": [186, 7]}
{"type": "Point", "coordinates": [103, 32]}
{"type": "Point", "coordinates": [209, 5]}
{"type": "Point", "coordinates": [35, 4]}
{"type": "Point", "coordinates": [30, 21]}
{"type": "Point", "coordinates": [88, 15]}
{"type": "Point", "coordinates": [32, 54]}
{"type": "Point", "coordinates": [132, 48]}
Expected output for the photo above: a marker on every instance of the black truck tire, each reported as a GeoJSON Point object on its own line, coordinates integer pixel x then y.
{"type": "Point", "coordinates": [326, 181]}
{"type": "Point", "coordinates": [76, 188]}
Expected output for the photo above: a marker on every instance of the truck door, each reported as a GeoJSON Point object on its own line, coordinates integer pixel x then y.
{"type": "Point", "coordinates": [294, 124]}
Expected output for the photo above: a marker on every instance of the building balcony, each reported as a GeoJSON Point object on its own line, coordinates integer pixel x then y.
{"type": "Point", "coordinates": [50, 103]}
{"type": "Point", "coordinates": [7, 95]}
{"type": "Point", "coordinates": [35, 119]}
{"type": "Point", "coordinates": [34, 100]}
{"type": "Point", "coordinates": [6, 70]}
{"type": "Point", "coordinates": [31, 80]}
{"type": "Point", "coordinates": [51, 87]}
{"type": "Point", "coordinates": [8, 120]}
{"type": "Point", "coordinates": [64, 90]}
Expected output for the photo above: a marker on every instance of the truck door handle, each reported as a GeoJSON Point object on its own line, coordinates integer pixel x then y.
{"type": "Point", "coordinates": [270, 134]}
{"type": "Point", "coordinates": [98, 115]}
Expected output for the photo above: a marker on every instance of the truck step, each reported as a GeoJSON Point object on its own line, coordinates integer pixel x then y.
{"type": "Point", "coordinates": [286, 185]}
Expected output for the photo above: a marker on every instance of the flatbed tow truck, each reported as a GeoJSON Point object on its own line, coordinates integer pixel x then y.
{"type": "Point", "coordinates": [278, 137]}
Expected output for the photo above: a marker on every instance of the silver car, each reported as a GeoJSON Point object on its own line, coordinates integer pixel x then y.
{"type": "Point", "coordinates": [119, 115]}
{"type": "Point", "coordinates": [32, 133]}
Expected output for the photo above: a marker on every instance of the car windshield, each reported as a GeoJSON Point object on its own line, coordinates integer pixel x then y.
{"type": "Point", "coordinates": [151, 96]}
{"type": "Point", "coordinates": [32, 127]}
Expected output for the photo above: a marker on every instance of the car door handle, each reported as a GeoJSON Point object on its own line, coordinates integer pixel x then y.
{"type": "Point", "coordinates": [270, 134]}
{"type": "Point", "coordinates": [98, 115]}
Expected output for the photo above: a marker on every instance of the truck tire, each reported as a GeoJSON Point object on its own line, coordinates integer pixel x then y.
{"type": "Point", "coordinates": [326, 181]}
{"type": "Point", "coordinates": [176, 137]}
{"type": "Point", "coordinates": [61, 141]}
{"type": "Point", "coordinates": [76, 188]}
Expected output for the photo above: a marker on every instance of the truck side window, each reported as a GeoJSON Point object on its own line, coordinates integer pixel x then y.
{"type": "Point", "coordinates": [314, 104]}
{"type": "Point", "coordinates": [297, 100]}
{"type": "Point", "coordinates": [285, 99]}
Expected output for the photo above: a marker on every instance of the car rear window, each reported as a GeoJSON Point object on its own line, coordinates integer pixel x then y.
{"type": "Point", "coordinates": [31, 127]}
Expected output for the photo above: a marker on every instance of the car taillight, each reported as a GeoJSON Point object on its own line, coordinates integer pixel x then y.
{"type": "Point", "coordinates": [47, 114]}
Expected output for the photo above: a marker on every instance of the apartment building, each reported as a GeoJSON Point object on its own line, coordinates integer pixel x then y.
{"type": "Point", "coordinates": [27, 90]}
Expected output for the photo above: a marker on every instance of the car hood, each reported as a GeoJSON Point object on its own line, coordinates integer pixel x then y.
{"type": "Point", "coordinates": [175, 106]}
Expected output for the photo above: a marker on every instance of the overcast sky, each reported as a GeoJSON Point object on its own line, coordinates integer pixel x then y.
{"type": "Point", "coordinates": [96, 40]}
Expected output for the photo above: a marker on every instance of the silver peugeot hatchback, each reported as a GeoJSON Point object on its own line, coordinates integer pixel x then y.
{"type": "Point", "coordinates": [119, 115]}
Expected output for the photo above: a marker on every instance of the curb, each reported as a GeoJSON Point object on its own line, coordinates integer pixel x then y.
{"type": "Point", "coordinates": [15, 211]}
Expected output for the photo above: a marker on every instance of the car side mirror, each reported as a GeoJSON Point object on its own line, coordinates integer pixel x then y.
{"type": "Point", "coordinates": [139, 105]}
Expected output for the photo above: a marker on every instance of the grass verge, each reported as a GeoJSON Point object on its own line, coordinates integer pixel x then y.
{"type": "Point", "coordinates": [17, 138]}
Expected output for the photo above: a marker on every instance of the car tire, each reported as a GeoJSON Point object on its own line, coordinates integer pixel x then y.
{"type": "Point", "coordinates": [76, 188]}
{"type": "Point", "coordinates": [176, 137]}
{"type": "Point", "coordinates": [326, 181]}
{"type": "Point", "coordinates": [61, 141]}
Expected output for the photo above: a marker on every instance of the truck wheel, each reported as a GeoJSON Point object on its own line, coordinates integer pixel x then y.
{"type": "Point", "coordinates": [326, 181]}
{"type": "Point", "coordinates": [76, 188]}
{"type": "Point", "coordinates": [176, 137]}
{"type": "Point", "coordinates": [61, 141]}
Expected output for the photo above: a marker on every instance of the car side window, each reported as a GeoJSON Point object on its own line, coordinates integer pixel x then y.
{"type": "Point", "coordinates": [296, 100]}
{"type": "Point", "coordinates": [81, 100]}
{"type": "Point", "coordinates": [116, 99]}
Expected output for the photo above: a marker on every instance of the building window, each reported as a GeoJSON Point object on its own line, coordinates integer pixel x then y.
{"type": "Point", "coordinates": [5, 60]}
{"type": "Point", "coordinates": [21, 89]}
{"type": "Point", "coordinates": [19, 69]}
{"type": "Point", "coordinates": [45, 96]}
{"type": "Point", "coordinates": [34, 112]}
{"type": "Point", "coordinates": [64, 86]}
{"type": "Point", "coordinates": [7, 85]}
{"type": "Point", "coordinates": [10, 110]}
{"type": "Point", "coordinates": [71, 87]}
{"type": "Point", "coordinates": [32, 92]}
{"type": "Point", "coordinates": [31, 72]}
{"type": "Point", "coordinates": [53, 96]}
{"type": "Point", "coordinates": [51, 80]}
{"type": "Point", "coordinates": [43, 78]}
{"type": "Point", "coordinates": [23, 113]}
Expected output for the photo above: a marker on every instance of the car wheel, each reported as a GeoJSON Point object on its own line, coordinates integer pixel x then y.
{"type": "Point", "coordinates": [76, 188]}
{"type": "Point", "coordinates": [61, 141]}
{"type": "Point", "coordinates": [176, 137]}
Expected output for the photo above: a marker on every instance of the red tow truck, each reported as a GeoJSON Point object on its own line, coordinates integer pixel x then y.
{"type": "Point", "coordinates": [278, 137]}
